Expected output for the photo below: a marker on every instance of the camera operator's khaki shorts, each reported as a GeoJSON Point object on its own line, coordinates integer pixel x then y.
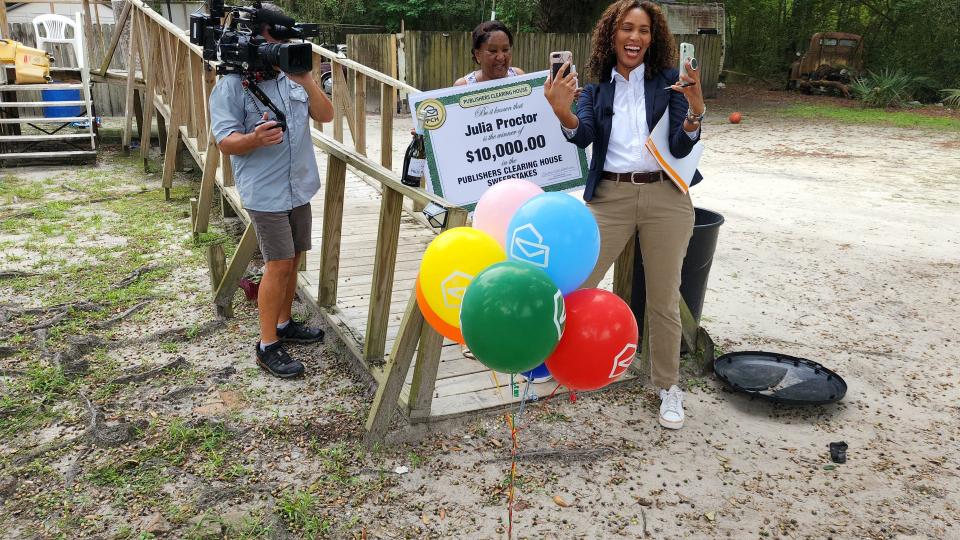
{"type": "Point", "coordinates": [282, 235]}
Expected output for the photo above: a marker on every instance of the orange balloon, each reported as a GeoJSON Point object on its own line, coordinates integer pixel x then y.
{"type": "Point", "coordinates": [442, 327]}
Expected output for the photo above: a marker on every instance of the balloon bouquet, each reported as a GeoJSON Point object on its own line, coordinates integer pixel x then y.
{"type": "Point", "coordinates": [507, 288]}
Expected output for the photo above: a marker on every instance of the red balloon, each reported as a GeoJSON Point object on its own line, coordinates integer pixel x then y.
{"type": "Point", "coordinates": [599, 340]}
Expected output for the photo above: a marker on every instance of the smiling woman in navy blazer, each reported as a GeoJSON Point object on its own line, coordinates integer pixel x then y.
{"type": "Point", "coordinates": [633, 58]}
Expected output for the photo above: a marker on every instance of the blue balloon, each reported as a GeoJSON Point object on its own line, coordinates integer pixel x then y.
{"type": "Point", "coordinates": [556, 232]}
{"type": "Point", "coordinates": [537, 372]}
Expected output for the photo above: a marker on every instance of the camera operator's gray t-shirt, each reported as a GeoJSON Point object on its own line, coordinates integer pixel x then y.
{"type": "Point", "coordinates": [271, 178]}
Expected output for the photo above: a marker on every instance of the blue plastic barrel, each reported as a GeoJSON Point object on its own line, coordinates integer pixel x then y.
{"type": "Point", "coordinates": [53, 96]}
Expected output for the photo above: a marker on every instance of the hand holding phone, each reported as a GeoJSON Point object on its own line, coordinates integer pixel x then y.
{"type": "Point", "coordinates": [686, 53]}
{"type": "Point", "coordinates": [557, 60]}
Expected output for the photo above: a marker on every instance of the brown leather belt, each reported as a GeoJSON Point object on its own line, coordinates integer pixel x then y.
{"type": "Point", "coordinates": [634, 177]}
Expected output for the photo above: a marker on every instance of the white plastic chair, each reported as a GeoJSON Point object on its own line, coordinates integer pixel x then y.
{"type": "Point", "coordinates": [55, 31]}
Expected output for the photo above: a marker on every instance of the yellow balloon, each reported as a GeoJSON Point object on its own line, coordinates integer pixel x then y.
{"type": "Point", "coordinates": [449, 265]}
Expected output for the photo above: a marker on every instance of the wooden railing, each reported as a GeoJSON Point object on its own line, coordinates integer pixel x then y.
{"type": "Point", "coordinates": [176, 85]}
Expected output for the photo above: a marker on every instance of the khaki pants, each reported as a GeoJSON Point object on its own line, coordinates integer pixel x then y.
{"type": "Point", "coordinates": [663, 218]}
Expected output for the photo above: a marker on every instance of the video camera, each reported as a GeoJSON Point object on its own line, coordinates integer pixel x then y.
{"type": "Point", "coordinates": [239, 46]}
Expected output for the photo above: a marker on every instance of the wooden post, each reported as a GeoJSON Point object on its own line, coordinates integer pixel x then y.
{"type": "Point", "coordinates": [152, 37]}
{"type": "Point", "coordinates": [177, 110]}
{"type": "Point", "coordinates": [385, 261]}
{"type": "Point", "coordinates": [119, 24]}
{"type": "Point", "coordinates": [388, 392]}
{"type": "Point", "coordinates": [339, 88]}
{"type": "Point", "coordinates": [706, 352]}
{"type": "Point", "coordinates": [425, 373]}
{"type": "Point", "coordinates": [226, 210]}
{"type": "Point", "coordinates": [223, 298]}
{"type": "Point", "coordinates": [131, 82]}
{"type": "Point", "coordinates": [343, 105]}
{"type": "Point", "coordinates": [138, 113]}
{"type": "Point", "coordinates": [431, 344]}
{"type": "Point", "coordinates": [688, 326]}
{"type": "Point", "coordinates": [211, 161]}
{"type": "Point", "coordinates": [644, 363]}
{"type": "Point", "coordinates": [623, 270]}
{"type": "Point", "coordinates": [386, 125]}
{"type": "Point", "coordinates": [332, 228]}
{"type": "Point", "coordinates": [359, 128]}
{"type": "Point", "coordinates": [161, 132]}
{"type": "Point", "coordinates": [217, 264]}
{"type": "Point", "coordinates": [89, 39]}
{"type": "Point", "coordinates": [4, 25]}
{"type": "Point", "coordinates": [193, 215]}
{"type": "Point", "coordinates": [207, 182]}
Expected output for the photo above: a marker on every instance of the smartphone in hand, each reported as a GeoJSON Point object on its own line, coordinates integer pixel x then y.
{"type": "Point", "coordinates": [557, 59]}
{"type": "Point", "coordinates": [686, 53]}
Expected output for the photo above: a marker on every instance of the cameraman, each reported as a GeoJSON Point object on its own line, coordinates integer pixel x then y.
{"type": "Point", "coordinates": [276, 175]}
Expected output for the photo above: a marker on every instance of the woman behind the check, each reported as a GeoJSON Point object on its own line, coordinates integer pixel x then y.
{"type": "Point", "coordinates": [633, 58]}
{"type": "Point", "coordinates": [493, 51]}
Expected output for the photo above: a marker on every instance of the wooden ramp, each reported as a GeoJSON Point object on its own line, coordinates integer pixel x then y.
{"type": "Point", "coordinates": [463, 386]}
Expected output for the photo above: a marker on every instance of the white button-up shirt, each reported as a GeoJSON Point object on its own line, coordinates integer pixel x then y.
{"type": "Point", "coordinates": [626, 150]}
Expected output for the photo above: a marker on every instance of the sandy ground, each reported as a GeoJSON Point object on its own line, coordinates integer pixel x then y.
{"type": "Point", "coordinates": [840, 245]}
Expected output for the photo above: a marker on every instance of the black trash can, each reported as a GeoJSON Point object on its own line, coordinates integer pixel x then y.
{"type": "Point", "coordinates": [696, 266]}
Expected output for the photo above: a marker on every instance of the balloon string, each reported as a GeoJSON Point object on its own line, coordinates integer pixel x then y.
{"type": "Point", "coordinates": [513, 474]}
{"type": "Point", "coordinates": [513, 456]}
{"type": "Point", "coordinates": [496, 382]}
{"type": "Point", "coordinates": [523, 400]}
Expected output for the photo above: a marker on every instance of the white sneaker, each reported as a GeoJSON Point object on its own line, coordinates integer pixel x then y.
{"type": "Point", "coordinates": [671, 408]}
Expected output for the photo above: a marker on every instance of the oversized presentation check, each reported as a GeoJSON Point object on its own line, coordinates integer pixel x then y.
{"type": "Point", "coordinates": [481, 134]}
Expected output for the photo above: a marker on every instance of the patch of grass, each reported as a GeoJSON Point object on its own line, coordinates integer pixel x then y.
{"type": "Point", "coordinates": [29, 404]}
{"type": "Point", "coordinates": [252, 527]}
{"type": "Point", "coordinates": [51, 211]}
{"type": "Point", "coordinates": [880, 117]}
{"type": "Point", "coordinates": [209, 238]}
{"type": "Point", "coordinates": [14, 189]}
{"type": "Point", "coordinates": [554, 417]}
{"type": "Point", "coordinates": [299, 509]}
{"type": "Point", "coordinates": [415, 460]}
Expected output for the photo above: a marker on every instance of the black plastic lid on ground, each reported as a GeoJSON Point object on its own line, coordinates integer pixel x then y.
{"type": "Point", "coordinates": [780, 378]}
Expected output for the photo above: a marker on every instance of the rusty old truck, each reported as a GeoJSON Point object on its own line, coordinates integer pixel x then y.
{"type": "Point", "coordinates": [832, 60]}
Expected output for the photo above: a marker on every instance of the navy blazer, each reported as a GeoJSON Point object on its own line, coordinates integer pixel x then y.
{"type": "Point", "coordinates": [595, 111]}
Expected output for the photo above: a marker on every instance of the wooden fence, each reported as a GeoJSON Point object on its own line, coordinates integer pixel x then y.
{"type": "Point", "coordinates": [109, 99]}
{"type": "Point", "coordinates": [436, 59]}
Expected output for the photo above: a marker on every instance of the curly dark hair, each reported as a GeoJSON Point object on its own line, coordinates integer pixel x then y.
{"type": "Point", "coordinates": [659, 56]}
{"type": "Point", "coordinates": [481, 34]}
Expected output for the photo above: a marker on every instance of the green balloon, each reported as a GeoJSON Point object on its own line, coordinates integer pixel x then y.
{"type": "Point", "coordinates": [512, 316]}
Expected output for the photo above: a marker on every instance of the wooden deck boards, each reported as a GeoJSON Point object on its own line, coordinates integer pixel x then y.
{"type": "Point", "coordinates": [463, 386]}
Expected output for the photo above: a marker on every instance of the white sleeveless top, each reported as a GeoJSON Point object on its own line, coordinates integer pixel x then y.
{"type": "Point", "coordinates": [472, 76]}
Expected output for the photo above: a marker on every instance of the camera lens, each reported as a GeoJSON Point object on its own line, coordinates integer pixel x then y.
{"type": "Point", "coordinates": [289, 57]}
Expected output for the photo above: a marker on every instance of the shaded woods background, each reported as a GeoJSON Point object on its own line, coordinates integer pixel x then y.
{"type": "Point", "coordinates": [919, 37]}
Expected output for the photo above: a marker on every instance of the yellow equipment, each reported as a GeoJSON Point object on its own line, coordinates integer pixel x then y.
{"type": "Point", "coordinates": [32, 65]}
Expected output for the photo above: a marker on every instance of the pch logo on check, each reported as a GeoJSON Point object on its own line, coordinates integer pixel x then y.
{"type": "Point", "coordinates": [527, 245]}
{"type": "Point", "coordinates": [453, 288]}
{"type": "Point", "coordinates": [623, 360]}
